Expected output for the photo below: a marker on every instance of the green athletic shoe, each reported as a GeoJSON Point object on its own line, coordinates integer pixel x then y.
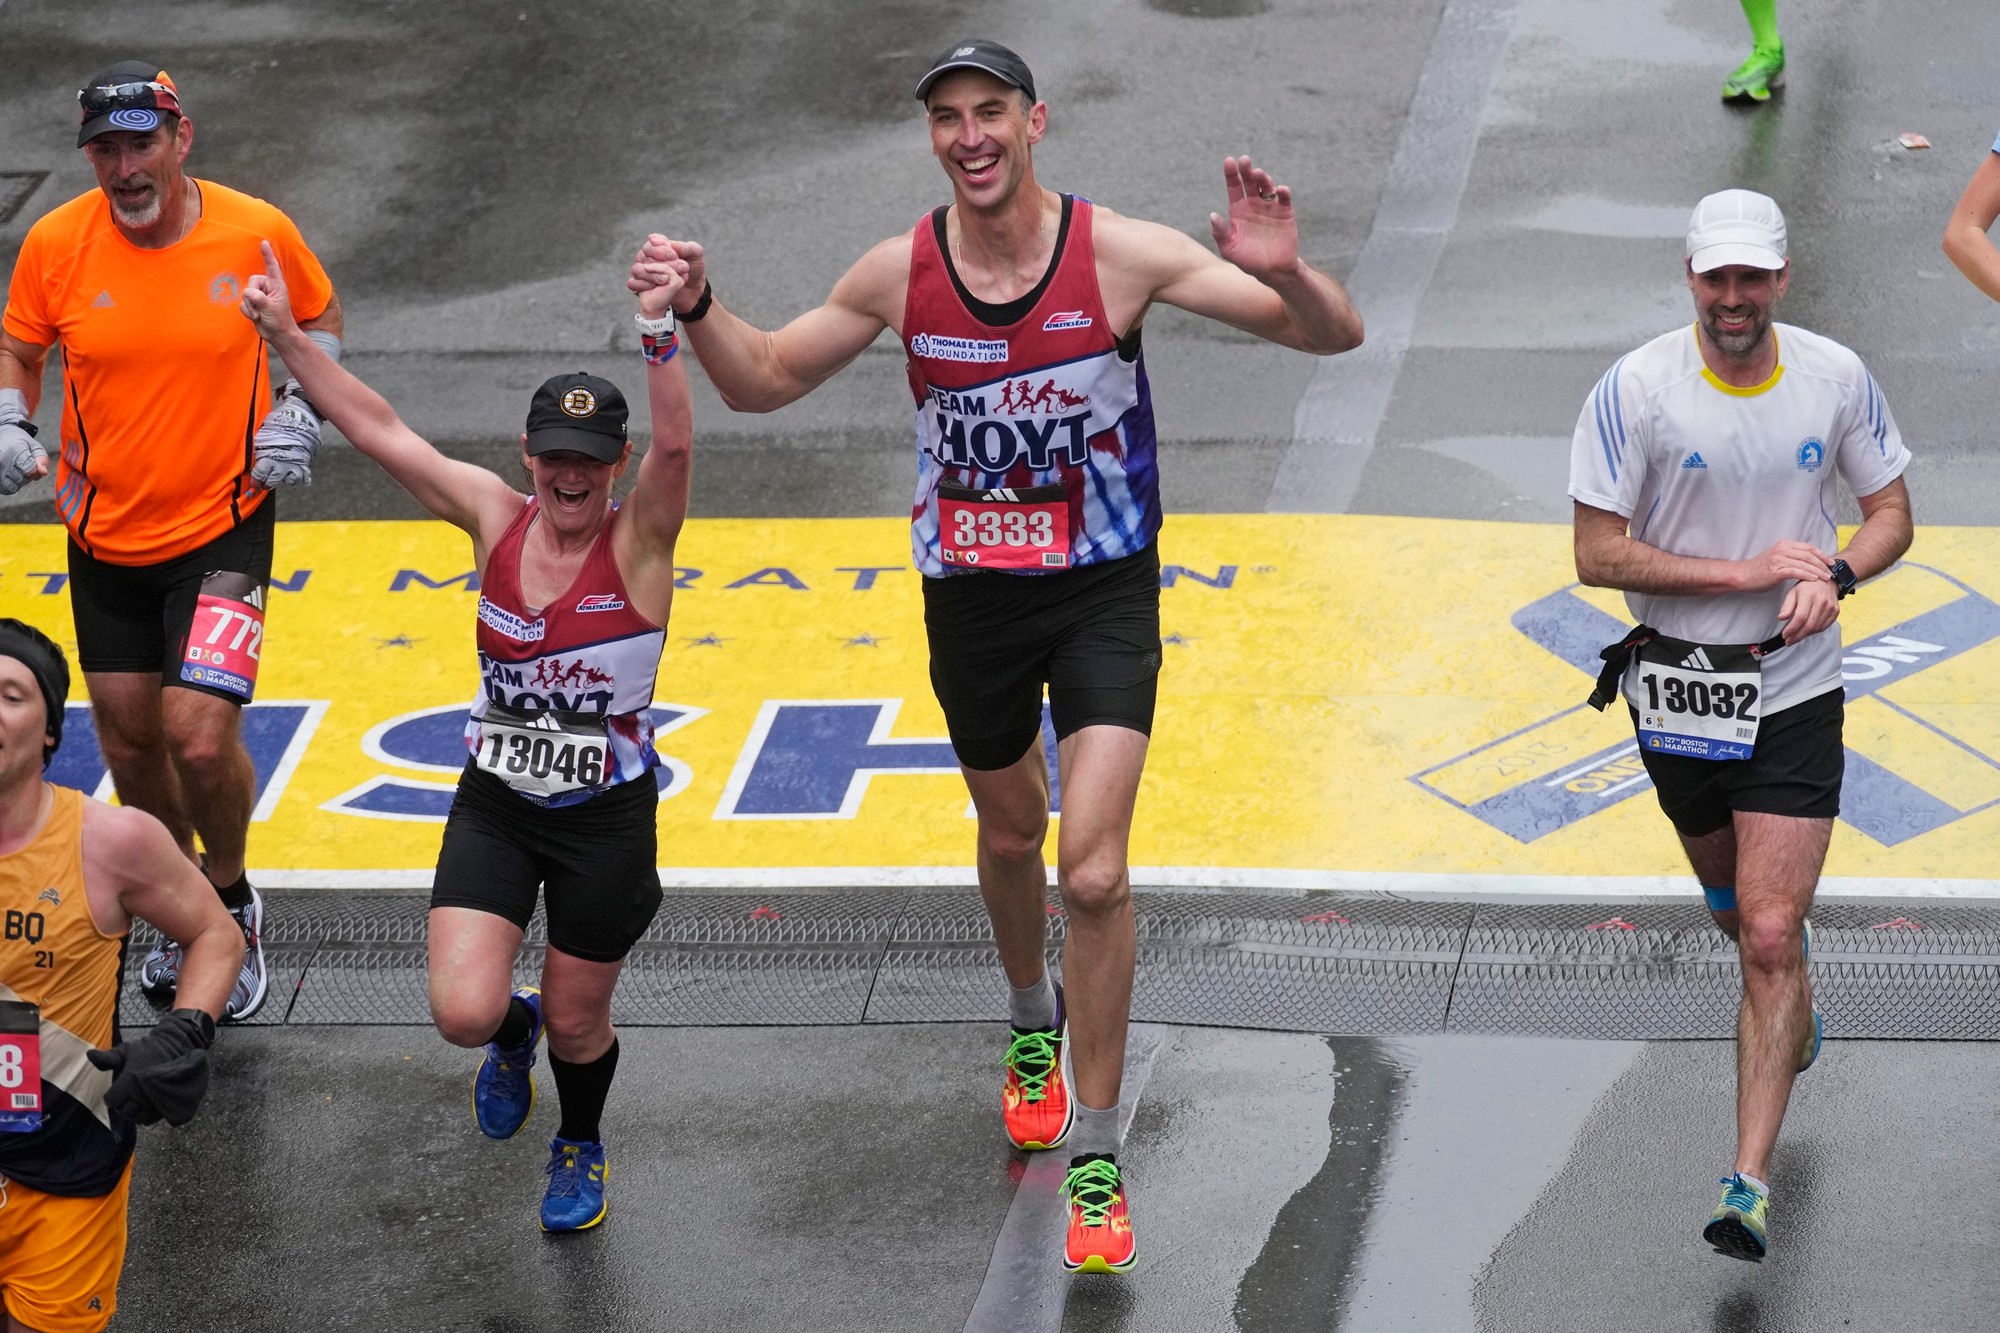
{"type": "Point", "coordinates": [1756, 78]}
{"type": "Point", "coordinates": [1737, 1227]}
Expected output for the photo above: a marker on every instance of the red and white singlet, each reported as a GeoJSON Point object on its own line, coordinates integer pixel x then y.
{"type": "Point", "coordinates": [565, 691]}
{"type": "Point", "coordinates": [1035, 443]}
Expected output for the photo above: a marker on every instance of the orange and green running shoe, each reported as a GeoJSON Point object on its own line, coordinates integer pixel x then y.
{"type": "Point", "coordinates": [1100, 1227]}
{"type": "Point", "coordinates": [1035, 1099]}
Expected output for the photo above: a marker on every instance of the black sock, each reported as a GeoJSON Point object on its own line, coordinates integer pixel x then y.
{"type": "Point", "coordinates": [235, 896]}
{"type": "Point", "coordinates": [513, 1031]}
{"type": "Point", "coordinates": [582, 1090]}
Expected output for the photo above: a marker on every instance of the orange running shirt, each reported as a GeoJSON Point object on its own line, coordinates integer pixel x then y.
{"type": "Point", "coordinates": [164, 380]}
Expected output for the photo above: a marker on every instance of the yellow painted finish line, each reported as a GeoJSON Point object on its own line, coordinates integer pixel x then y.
{"type": "Point", "coordinates": [1341, 694]}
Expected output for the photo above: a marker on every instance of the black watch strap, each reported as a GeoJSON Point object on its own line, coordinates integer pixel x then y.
{"type": "Point", "coordinates": [1843, 577]}
{"type": "Point", "coordinates": [203, 1022]}
{"type": "Point", "coordinates": [699, 308]}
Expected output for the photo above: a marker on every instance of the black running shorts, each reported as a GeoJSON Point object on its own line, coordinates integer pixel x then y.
{"type": "Point", "coordinates": [136, 617]}
{"type": "Point", "coordinates": [1092, 635]}
{"type": "Point", "coordinates": [598, 859]}
{"type": "Point", "coordinates": [1795, 770]}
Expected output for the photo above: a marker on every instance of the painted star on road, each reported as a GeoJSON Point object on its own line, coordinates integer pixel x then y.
{"type": "Point", "coordinates": [1175, 641]}
{"type": "Point", "coordinates": [706, 641]}
{"type": "Point", "coordinates": [400, 641]}
{"type": "Point", "coordinates": [864, 641]}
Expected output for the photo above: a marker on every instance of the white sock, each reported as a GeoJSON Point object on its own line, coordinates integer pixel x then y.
{"type": "Point", "coordinates": [1747, 1179]}
{"type": "Point", "coordinates": [1032, 1008]}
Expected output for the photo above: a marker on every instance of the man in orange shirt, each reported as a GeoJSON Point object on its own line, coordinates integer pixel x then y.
{"type": "Point", "coordinates": [170, 445]}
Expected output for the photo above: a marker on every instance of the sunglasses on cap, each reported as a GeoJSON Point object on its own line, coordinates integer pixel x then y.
{"type": "Point", "coordinates": [149, 96]}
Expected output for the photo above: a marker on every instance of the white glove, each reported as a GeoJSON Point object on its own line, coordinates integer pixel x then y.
{"type": "Point", "coordinates": [285, 444]}
{"type": "Point", "coordinates": [20, 454]}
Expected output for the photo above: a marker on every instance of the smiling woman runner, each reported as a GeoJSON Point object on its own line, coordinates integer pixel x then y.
{"type": "Point", "coordinates": [558, 791]}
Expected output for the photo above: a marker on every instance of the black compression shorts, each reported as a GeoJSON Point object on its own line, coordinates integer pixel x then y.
{"type": "Point", "coordinates": [136, 617]}
{"type": "Point", "coordinates": [598, 860]}
{"type": "Point", "coordinates": [1795, 770]}
{"type": "Point", "coordinates": [1091, 634]}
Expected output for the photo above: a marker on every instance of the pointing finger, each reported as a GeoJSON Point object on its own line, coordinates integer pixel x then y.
{"type": "Point", "coordinates": [271, 269]}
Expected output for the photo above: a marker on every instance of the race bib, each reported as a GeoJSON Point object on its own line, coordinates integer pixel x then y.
{"type": "Point", "coordinates": [20, 1067]}
{"type": "Point", "coordinates": [544, 754]}
{"type": "Point", "coordinates": [1702, 701]}
{"type": "Point", "coordinates": [226, 637]}
{"type": "Point", "coordinates": [1004, 529]}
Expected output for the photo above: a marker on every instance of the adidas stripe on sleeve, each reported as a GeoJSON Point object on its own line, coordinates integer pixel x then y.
{"type": "Point", "coordinates": [1607, 460]}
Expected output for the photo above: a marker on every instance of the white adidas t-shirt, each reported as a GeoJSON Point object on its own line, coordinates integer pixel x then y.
{"type": "Point", "coordinates": [1705, 469]}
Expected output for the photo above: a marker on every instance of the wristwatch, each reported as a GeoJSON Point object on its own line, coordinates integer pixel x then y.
{"type": "Point", "coordinates": [1843, 577]}
{"type": "Point", "coordinates": [656, 328]}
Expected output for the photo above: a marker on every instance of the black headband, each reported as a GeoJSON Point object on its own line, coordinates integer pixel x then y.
{"type": "Point", "coordinates": [45, 662]}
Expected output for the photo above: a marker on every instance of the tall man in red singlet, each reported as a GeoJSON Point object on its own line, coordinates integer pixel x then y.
{"type": "Point", "coordinates": [1036, 506]}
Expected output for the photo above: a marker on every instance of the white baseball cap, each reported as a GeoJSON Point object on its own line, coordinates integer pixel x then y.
{"type": "Point", "coordinates": [1736, 227]}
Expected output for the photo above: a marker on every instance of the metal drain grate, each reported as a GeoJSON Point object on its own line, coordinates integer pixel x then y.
{"type": "Point", "coordinates": [1318, 963]}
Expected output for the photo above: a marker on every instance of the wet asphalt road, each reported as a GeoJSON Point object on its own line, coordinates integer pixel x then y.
{"type": "Point", "coordinates": [856, 1179]}
{"type": "Point", "coordinates": [473, 175]}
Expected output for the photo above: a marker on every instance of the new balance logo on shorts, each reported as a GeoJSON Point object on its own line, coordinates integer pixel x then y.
{"type": "Point", "coordinates": [1692, 460]}
{"type": "Point", "coordinates": [1698, 661]}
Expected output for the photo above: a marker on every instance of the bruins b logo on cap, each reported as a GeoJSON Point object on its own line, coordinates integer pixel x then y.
{"type": "Point", "coordinates": [579, 402]}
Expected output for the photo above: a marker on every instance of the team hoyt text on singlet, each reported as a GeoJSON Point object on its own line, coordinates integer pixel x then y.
{"type": "Point", "coordinates": [164, 381]}
{"type": "Point", "coordinates": [1051, 398]}
{"type": "Point", "coordinates": [587, 652]}
{"type": "Point", "coordinates": [53, 955]}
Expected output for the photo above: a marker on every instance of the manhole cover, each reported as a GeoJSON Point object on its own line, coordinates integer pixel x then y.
{"type": "Point", "coordinates": [15, 187]}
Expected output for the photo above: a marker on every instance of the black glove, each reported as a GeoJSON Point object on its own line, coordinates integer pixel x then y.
{"type": "Point", "coordinates": [164, 1073]}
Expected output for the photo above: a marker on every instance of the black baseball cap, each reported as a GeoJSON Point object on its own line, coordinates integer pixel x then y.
{"type": "Point", "coordinates": [980, 53]}
{"type": "Point", "coordinates": [133, 95]}
{"type": "Point", "coordinates": [579, 413]}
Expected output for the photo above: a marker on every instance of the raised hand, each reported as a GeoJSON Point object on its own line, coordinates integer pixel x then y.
{"type": "Point", "coordinates": [659, 274]}
{"type": "Point", "coordinates": [1260, 235]}
{"type": "Point", "coordinates": [691, 265]}
{"type": "Point", "coordinates": [266, 302]}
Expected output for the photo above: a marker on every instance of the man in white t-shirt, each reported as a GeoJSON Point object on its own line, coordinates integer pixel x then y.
{"type": "Point", "coordinates": [1703, 471]}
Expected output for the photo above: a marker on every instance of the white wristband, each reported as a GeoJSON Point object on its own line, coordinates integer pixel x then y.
{"type": "Point", "coordinates": [656, 328]}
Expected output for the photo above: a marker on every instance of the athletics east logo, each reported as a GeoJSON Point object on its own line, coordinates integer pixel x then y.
{"type": "Point", "coordinates": [937, 347]}
{"type": "Point", "coordinates": [602, 601]}
{"type": "Point", "coordinates": [1065, 319]}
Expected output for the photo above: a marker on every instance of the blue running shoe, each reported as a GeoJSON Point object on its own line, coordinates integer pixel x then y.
{"type": "Point", "coordinates": [1739, 1226]}
{"type": "Point", "coordinates": [1810, 1052]}
{"type": "Point", "coordinates": [503, 1091]}
{"type": "Point", "coordinates": [575, 1199]}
